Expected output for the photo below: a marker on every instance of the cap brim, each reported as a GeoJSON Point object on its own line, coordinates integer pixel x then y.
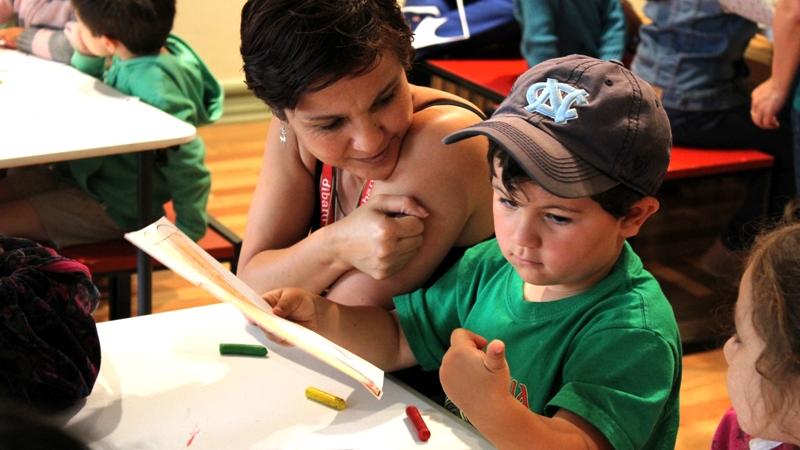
{"type": "Point", "coordinates": [543, 158]}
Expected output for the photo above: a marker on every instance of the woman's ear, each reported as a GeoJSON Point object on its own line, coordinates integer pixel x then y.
{"type": "Point", "coordinates": [638, 215]}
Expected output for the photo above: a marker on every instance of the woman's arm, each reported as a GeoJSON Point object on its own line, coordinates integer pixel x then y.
{"type": "Point", "coordinates": [451, 182]}
{"type": "Point", "coordinates": [377, 239]}
{"type": "Point", "coordinates": [277, 250]}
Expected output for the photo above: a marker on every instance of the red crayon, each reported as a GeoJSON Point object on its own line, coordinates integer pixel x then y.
{"type": "Point", "coordinates": [422, 430]}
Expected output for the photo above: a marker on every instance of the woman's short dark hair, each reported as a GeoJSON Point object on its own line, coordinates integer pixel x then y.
{"type": "Point", "coordinates": [617, 201]}
{"type": "Point", "coordinates": [141, 25]}
{"type": "Point", "coordinates": [290, 47]}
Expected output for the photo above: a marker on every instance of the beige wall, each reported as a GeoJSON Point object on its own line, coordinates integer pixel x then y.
{"type": "Point", "coordinates": [212, 28]}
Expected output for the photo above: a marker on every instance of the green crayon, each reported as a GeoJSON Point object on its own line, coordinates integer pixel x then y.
{"type": "Point", "coordinates": [242, 349]}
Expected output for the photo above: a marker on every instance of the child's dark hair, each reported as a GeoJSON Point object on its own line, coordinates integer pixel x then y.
{"type": "Point", "coordinates": [142, 26]}
{"type": "Point", "coordinates": [617, 201]}
{"type": "Point", "coordinates": [290, 47]}
{"type": "Point", "coordinates": [774, 265]}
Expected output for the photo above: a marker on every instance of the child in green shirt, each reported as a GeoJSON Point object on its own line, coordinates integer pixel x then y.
{"type": "Point", "coordinates": [552, 335]}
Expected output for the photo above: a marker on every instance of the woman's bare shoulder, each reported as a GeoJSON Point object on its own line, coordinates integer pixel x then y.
{"type": "Point", "coordinates": [426, 157]}
{"type": "Point", "coordinates": [431, 123]}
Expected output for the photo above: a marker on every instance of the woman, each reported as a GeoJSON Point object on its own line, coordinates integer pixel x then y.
{"type": "Point", "coordinates": [349, 127]}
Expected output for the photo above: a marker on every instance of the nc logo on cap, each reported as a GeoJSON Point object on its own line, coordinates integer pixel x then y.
{"type": "Point", "coordinates": [555, 100]}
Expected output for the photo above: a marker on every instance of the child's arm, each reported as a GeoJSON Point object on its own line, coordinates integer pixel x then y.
{"type": "Point", "coordinates": [189, 182]}
{"type": "Point", "coordinates": [769, 97]}
{"type": "Point", "coordinates": [368, 331]}
{"type": "Point", "coordinates": [538, 22]}
{"type": "Point", "coordinates": [45, 43]}
{"type": "Point", "coordinates": [500, 417]}
{"type": "Point", "coordinates": [82, 58]}
{"type": "Point", "coordinates": [612, 41]}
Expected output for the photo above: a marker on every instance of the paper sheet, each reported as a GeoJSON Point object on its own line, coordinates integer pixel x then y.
{"type": "Point", "coordinates": [165, 242]}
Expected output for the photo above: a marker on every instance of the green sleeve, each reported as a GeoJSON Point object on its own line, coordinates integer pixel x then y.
{"type": "Point", "coordinates": [188, 179]}
{"type": "Point", "coordinates": [621, 381]}
{"type": "Point", "coordinates": [88, 64]}
{"type": "Point", "coordinates": [189, 184]}
{"type": "Point", "coordinates": [612, 41]}
{"type": "Point", "coordinates": [429, 316]}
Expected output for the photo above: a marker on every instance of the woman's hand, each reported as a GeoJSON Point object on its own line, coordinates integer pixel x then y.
{"type": "Point", "coordinates": [465, 366]}
{"type": "Point", "coordinates": [381, 237]}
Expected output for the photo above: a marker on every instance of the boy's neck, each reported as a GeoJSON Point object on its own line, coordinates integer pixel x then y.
{"type": "Point", "coordinates": [534, 293]}
{"type": "Point", "coordinates": [123, 53]}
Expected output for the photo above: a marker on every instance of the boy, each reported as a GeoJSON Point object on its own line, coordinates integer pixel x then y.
{"type": "Point", "coordinates": [163, 71]}
{"type": "Point", "coordinates": [578, 149]}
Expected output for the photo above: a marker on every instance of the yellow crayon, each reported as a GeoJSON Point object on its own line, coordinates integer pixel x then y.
{"type": "Point", "coordinates": [323, 397]}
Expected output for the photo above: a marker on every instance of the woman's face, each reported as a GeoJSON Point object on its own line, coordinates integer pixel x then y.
{"type": "Point", "coordinates": [357, 123]}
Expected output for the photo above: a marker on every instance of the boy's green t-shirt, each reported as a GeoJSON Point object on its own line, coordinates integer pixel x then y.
{"type": "Point", "coordinates": [611, 355]}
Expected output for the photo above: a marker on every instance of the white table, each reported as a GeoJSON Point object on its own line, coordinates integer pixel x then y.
{"type": "Point", "coordinates": [162, 382]}
{"type": "Point", "coordinates": [50, 112]}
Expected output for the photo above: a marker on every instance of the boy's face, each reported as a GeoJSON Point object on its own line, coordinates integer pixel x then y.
{"type": "Point", "coordinates": [565, 245]}
{"type": "Point", "coordinates": [95, 44]}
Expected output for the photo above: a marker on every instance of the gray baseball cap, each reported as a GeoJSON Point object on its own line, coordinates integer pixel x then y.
{"type": "Point", "coordinates": [580, 126]}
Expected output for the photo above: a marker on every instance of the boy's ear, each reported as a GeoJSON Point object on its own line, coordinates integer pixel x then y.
{"type": "Point", "coordinates": [111, 45]}
{"type": "Point", "coordinates": [638, 215]}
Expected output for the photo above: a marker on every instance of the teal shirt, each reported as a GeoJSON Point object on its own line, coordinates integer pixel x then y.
{"type": "Point", "coordinates": [180, 84]}
{"type": "Point", "coordinates": [611, 355]}
{"type": "Point", "coordinates": [796, 102]}
{"type": "Point", "coordinates": [553, 28]}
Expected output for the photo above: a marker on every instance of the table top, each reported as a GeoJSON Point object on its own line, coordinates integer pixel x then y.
{"type": "Point", "coordinates": [163, 384]}
{"type": "Point", "coordinates": [52, 112]}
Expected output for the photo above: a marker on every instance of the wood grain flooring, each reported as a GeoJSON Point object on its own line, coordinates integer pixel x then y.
{"type": "Point", "coordinates": [234, 158]}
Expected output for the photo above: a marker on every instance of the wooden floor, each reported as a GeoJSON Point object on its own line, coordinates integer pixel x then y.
{"type": "Point", "coordinates": [234, 158]}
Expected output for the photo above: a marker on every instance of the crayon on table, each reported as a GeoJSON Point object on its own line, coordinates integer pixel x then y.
{"type": "Point", "coordinates": [325, 398]}
{"type": "Point", "coordinates": [416, 418]}
{"type": "Point", "coordinates": [242, 349]}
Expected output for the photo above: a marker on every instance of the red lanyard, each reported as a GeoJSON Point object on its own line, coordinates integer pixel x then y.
{"type": "Point", "coordinates": [327, 194]}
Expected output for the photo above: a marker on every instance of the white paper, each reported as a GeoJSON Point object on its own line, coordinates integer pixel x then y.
{"type": "Point", "coordinates": [165, 242]}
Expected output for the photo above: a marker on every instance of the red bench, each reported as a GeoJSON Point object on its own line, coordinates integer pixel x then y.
{"type": "Point", "coordinates": [490, 80]}
{"type": "Point", "coordinates": [116, 261]}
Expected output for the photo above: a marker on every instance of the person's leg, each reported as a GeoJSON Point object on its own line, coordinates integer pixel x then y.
{"type": "Point", "coordinates": [732, 129]}
{"type": "Point", "coordinates": [41, 205]}
{"type": "Point", "coordinates": [21, 220]}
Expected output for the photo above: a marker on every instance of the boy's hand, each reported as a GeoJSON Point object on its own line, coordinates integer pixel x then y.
{"type": "Point", "coordinates": [297, 305]}
{"type": "Point", "coordinates": [9, 36]}
{"type": "Point", "coordinates": [74, 38]}
{"type": "Point", "coordinates": [466, 367]}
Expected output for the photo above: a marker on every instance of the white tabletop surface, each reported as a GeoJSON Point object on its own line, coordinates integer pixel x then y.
{"type": "Point", "coordinates": [52, 112]}
{"type": "Point", "coordinates": [163, 384]}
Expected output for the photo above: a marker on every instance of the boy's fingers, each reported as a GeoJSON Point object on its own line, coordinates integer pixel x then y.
{"type": "Point", "coordinates": [495, 359]}
{"type": "Point", "coordinates": [461, 336]}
